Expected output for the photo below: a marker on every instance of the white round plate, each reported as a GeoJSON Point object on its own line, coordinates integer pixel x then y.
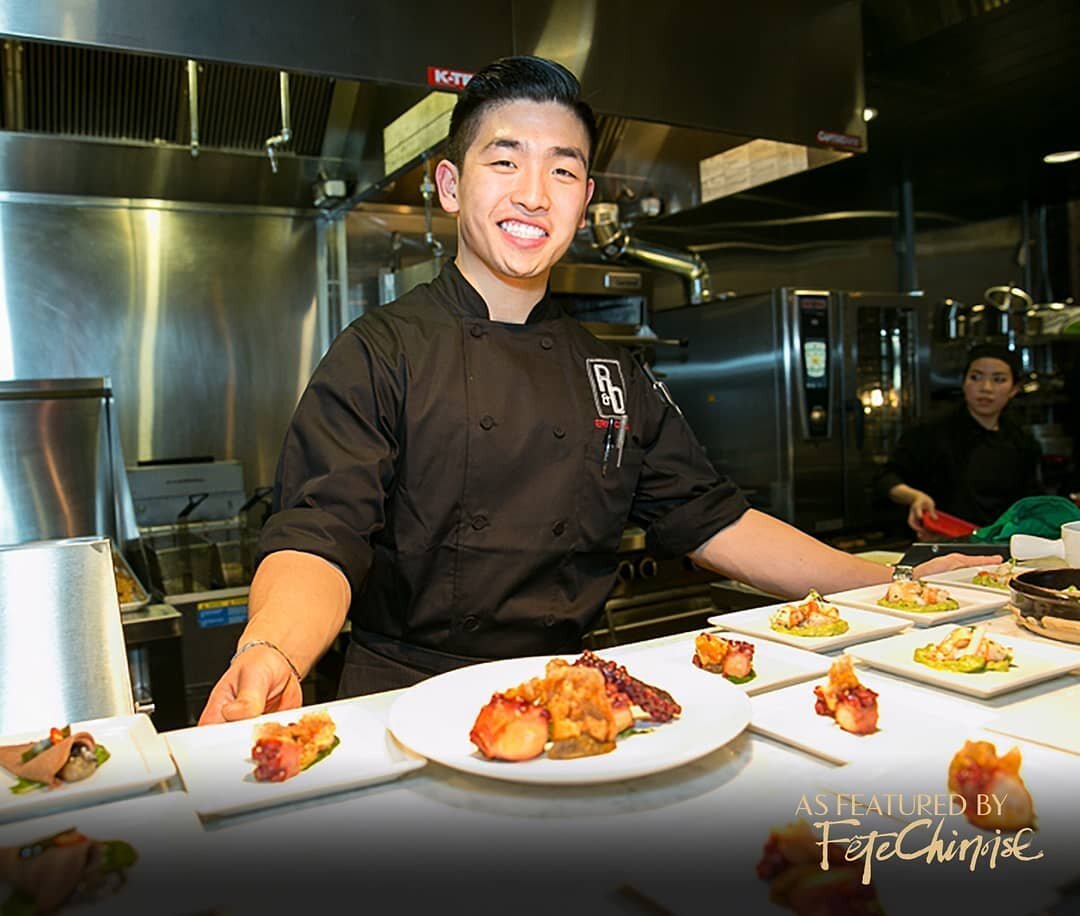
{"type": "Point", "coordinates": [434, 719]}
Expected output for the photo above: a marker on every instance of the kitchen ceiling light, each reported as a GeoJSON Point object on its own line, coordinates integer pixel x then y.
{"type": "Point", "coordinates": [1069, 155]}
{"type": "Point", "coordinates": [868, 114]}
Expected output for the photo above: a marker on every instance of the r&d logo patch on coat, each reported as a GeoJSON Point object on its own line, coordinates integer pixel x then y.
{"type": "Point", "coordinates": [608, 387]}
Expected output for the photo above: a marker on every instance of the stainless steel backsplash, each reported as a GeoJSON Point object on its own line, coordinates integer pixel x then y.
{"type": "Point", "coordinates": [208, 322]}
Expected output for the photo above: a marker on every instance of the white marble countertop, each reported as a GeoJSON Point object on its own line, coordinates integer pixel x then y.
{"type": "Point", "coordinates": [684, 841]}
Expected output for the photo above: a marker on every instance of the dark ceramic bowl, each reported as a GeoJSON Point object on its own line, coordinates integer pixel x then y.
{"type": "Point", "coordinates": [1041, 604]}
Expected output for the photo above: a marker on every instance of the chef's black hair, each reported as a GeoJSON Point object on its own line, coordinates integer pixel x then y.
{"type": "Point", "coordinates": [995, 351]}
{"type": "Point", "coordinates": [514, 79]}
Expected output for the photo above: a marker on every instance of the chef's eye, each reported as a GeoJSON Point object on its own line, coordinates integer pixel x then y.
{"type": "Point", "coordinates": [565, 173]}
{"type": "Point", "coordinates": [506, 163]}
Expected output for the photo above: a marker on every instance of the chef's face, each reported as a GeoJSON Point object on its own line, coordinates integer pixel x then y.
{"type": "Point", "coordinates": [988, 387]}
{"type": "Point", "coordinates": [522, 189]}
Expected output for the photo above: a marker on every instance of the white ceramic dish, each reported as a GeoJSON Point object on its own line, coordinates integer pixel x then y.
{"type": "Point", "coordinates": [138, 760]}
{"type": "Point", "coordinates": [775, 665]}
{"type": "Point", "coordinates": [1049, 776]}
{"type": "Point", "coordinates": [1032, 662]}
{"type": "Point", "coordinates": [963, 577]}
{"type": "Point", "coordinates": [972, 604]}
{"type": "Point", "coordinates": [434, 719]}
{"type": "Point", "coordinates": [1050, 719]}
{"type": "Point", "coordinates": [862, 625]}
{"type": "Point", "coordinates": [215, 761]}
{"type": "Point", "coordinates": [904, 719]}
{"type": "Point", "coordinates": [166, 838]}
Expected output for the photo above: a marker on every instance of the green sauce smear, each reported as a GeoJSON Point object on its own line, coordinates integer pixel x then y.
{"type": "Point", "coordinates": [950, 605]}
{"type": "Point", "coordinates": [823, 629]}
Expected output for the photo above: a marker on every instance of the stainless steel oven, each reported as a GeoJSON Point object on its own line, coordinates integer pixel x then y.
{"type": "Point", "coordinates": [799, 395]}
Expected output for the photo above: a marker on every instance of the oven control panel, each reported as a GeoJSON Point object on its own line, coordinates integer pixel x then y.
{"type": "Point", "coordinates": [812, 314]}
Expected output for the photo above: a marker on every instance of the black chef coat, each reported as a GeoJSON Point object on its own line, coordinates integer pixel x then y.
{"type": "Point", "coordinates": [971, 472]}
{"type": "Point", "coordinates": [451, 466]}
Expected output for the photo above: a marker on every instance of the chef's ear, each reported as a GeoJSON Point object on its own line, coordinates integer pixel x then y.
{"type": "Point", "coordinates": [446, 180]}
{"type": "Point", "coordinates": [590, 186]}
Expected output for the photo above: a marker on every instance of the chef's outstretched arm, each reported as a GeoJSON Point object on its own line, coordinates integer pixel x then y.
{"type": "Point", "coordinates": [298, 603]}
{"type": "Point", "coordinates": [771, 555]}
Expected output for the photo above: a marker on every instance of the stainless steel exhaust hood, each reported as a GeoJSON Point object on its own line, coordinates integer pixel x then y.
{"type": "Point", "coordinates": [96, 97]}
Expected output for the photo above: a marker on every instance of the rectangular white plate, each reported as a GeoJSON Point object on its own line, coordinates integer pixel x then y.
{"type": "Point", "coordinates": [904, 719]}
{"type": "Point", "coordinates": [1051, 719]}
{"type": "Point", "coordinates": [172, 851]}
{"type": "Point", "coordinates": [1032, 662]}
{"type": "Point", "coordinates": [963, 577]}
{"type": "Point", "coordinates": [216, 766]}
{"type": "Point", "coordinates": [776, 665]}
{"type": "Point", "coordinates": [862, 625]}
{"type": "Point", "coordinates": [139, 759]}
{"type": "Point", "coordinates": [972, 604]}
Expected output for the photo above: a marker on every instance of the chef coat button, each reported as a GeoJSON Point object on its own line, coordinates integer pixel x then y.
{"type": "Point", "coordinates": [558, 528]}
{"type": "Point", "coordinates": [558, 432]}
{"type": "Point", "coordinates": [479, 522]}
{"type": "Point", "coordinates": [476, 331]}
{"type": "Point", "coordinates": [470, 623]}
{"type": "Point", "coordinates": [550, 620]}
{"type": "Point", "coordinates": [547, 343]}
{"type": "Point", "coordinates": [487, 421]}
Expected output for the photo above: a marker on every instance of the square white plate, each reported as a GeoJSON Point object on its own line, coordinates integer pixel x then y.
{"type": "Point", "coordinates": [172, 849]}
{"type": "Point", "coordinates": [972, 604]}
{"type": "Point", "coordinates": [862, 625]}
{"type": "Point", "coordinates": [1032, 662]}
{"type": "Point", "coordinates": [139, 759]}
{"type": "Point", "coordinates": [1050, 777]}
{"type": "Point", "coordinates": [776, 665]}
{"type": "Point", "coordinates": [903, 720]}
{"type": "Point", "coordinates": [963, 577]}
{"type": "Point", "coordinates": [1051, 719]}
{"type": "Point", "coordinates": [216, 766]}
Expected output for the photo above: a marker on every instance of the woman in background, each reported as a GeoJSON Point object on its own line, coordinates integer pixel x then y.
{"type": "Point", "coordinates": [975, 461]}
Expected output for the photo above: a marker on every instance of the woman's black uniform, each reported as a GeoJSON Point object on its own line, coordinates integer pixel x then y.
{"type": "Point", "coordinates": [970, 471]}
{"type": "Point", "coordinates": [460, 473]}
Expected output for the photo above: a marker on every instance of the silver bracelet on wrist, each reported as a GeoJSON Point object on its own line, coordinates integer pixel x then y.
{"type": "Point", "coordinates": [265, 642]}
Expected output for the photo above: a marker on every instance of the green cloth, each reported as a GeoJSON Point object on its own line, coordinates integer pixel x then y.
{"type": "Point", "coordinates": [1041, 516]}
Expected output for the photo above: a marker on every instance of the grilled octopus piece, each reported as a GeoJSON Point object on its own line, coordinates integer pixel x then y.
{"type": "Point", "coordinates": [510, 728]}
{"type": "Point", "coordinates": [282, 751]}
{"type": "Point", "coordinates": [658, 704]}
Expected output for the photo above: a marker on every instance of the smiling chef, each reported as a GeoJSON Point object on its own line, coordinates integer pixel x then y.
{"type": "Point", "coordinates": [458, 474]}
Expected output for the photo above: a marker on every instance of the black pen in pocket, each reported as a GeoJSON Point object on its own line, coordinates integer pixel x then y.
{"type": "Point", "coordinates": [609, 438]}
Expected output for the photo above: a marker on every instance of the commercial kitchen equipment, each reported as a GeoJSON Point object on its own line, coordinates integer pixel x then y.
{"type": "Point", "coordinates": [62, 477]}
{"type": "Point", "coordinates": [61, 636]}
{"type": "Point", "coordinates": [799, 395]}
{"type": "Point", "coordinates": [197, 549]}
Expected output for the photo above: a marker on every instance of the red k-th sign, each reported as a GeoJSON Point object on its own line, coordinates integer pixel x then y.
{"type": "Point", "coordinates": [442, 78]}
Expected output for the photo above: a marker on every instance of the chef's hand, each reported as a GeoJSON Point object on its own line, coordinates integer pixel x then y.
{"type": "Point", "coordinates": [258, 681]}
{"type": "Point", "coordinates": [952, 561]}
{"type": "Point", "coordinates": [922, 503]}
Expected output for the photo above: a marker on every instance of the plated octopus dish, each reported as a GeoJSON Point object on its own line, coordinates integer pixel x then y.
{"type": "Point", "coordinates": [915, 595]}
{"type": "Point", "coordinates": [976, 770]}
{"type": "Point", "coordinates": [852, 704]}
{"type": "Point", "coordinates": [58, 758]}
{"type": "Point", "coordinates": [791, 863]}
{"type": "Point", "coordinates": [67, 869]}
{"type": "Point", "coordinates": [966, 650]}
{"type": "Point", "coordinates": [576, 709]}
{"type": "Point", "coordinates": [732, 658]}
{"type": "Point", "coordinates": [282, 751]}
{"type": "Point", "coordinates": [810, 617]}
{"type": "Point", "coordinates": [996, 576]}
